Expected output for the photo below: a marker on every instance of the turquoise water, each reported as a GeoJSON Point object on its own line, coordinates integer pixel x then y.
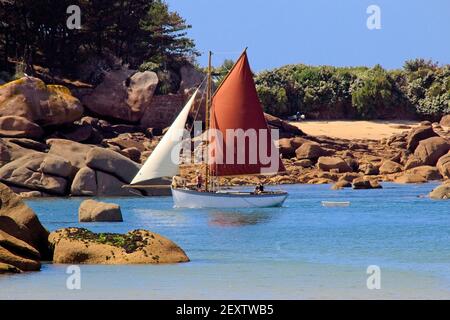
{"type": "Point", "coordinates": [300, 251]}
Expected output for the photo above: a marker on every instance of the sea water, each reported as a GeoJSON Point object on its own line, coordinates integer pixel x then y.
{"type": "Point", "coordinates": [302, 250]}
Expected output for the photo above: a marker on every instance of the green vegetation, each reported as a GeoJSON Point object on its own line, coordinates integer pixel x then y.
{"type": "Point", "coordinates": [134, 32]}
{"type": "Point", "coordinates": [421, 89]}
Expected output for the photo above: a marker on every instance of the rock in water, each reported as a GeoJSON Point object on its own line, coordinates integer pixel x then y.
{"type": "Point", "coordinates": [80, 246]}
{"type": "Point", "coordinates": [23, 240]}
{"type": "Point", "coordinates": [19, 127]}
{"type": "Point", "coordinates": [43, 104]}
{"type": "Point", "coordinates": [364, 183]}
{"type": "Point", "coordinates": [441, 193]}
{"type": "Point", "coordinates": [91, 210]}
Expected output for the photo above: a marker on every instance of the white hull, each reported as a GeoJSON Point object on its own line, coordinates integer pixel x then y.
{"type": "Point", "coordinates": [184, 198]}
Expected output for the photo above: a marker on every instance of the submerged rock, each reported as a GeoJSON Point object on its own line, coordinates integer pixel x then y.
{"type": "Point", "coordinates": [91, 210]}
{"type": "Point", "coordinates": [80, 246]}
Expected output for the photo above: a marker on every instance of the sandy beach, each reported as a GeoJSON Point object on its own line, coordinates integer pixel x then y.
{"type": "Point", "coordinates": [375, 130]}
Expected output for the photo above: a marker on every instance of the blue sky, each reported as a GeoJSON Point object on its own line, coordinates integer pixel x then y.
{"type": "Point", "coordinates": [318, 32]}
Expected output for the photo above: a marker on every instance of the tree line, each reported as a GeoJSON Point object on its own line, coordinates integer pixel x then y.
{"type": "Point", "coordinates": [35, 32]}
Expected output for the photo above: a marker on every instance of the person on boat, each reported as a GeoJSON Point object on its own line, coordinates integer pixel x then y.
{"type": "Point", "coordinates": [199, 180]}
{"type": "Point", "coordinates": [259, 188]}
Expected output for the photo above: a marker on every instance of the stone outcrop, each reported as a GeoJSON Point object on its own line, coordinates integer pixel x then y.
{"type": "Point", "coordinates": [72, 151]}
{"type": "Point", "coordinates": [312, 151]}
{"type": "Point", "coordinates": [19, 127]}
{"type": "Point", "coordinates": [445, 121]}
{"type": "Point", "coordinates": [163, 110]}
{"type": "Point", "coordinates": [333, 163]}
{"type": "Point", "coordinates": [443, 165]}
{"type": "Point", "coordinates": [124, 94]}
{"type": "Point", "coordinates": [418, 134]}
{"type": "Point", "coordinates": [38, 171]}
{"type": "Point", "coordinates": [80, 246]}
{"type": "Point", "coordinates": [365, 183]}
{"type": "Point", "coordinates": [84, 183]}
{"type": "Point", "coordinates": [43, 104]}
{"type": "Point", "coordinates": [113, 163]}
{"type": "Point", "coordinates": [441, 193]}
{"type": "Point", "coordinates": [389, 166]}
{"type": "Point", "coordinates": [91, 210]}
{"type": "Point", "coordinates": [430, 150]}
{"type": "Point", "coordinates": [23, 240]}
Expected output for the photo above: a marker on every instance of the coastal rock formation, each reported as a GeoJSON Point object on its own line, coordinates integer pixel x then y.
{"type": "Point", "coordinates": [23, 240]}
{"type": "Point", "coordinates": [410, 178]}
{"type": "Point", "coordinates": [311, 151]}
{"type": "Point", "coordinates": [38, 171]}
{"type": "Point", "coordinates": [43, 104]}
{"type": "Point", "coordinates": [113, 163]}
{"type": "Point", "coordinates": [109, 185]}
{"type": "Point", "coordinates": [19, 127]}
{"type": "Point", "coordinates": [84, 183]}
{"type": "Point", "coordinates": [124, 94]}
{"type": "Point", "coordinates": [441, 193]}
{"type": "Point", "coordinates": [443, 165]}
{"type": "Point", "coordinates": [91, 210]}
{"type": "Point", "coordinates": [428, 173]}
{"type": "Point", "coordinates": [285, 129]}
{"type": "Point", "coordinates": [389, 166]}
{"type": "Point", "coordinates": [430, 150]}
{"type": "Point", "coordinates": [80, 246]}
{"type": "Point", "coordinates": [72, 151]}
{"type": "Point", "coordinates": [445, 121]}
{"type": "Point", "coordinates": [333, 163]}
{"type": "Point", "coordinates": [365, 183]}
{"type": "Point", "coordinates": [418, 134]}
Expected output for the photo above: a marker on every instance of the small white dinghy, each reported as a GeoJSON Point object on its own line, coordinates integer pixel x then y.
{"type": "Point", "coordinates": [329, 204]}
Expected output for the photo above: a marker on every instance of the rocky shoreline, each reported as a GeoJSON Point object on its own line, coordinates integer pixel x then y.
{"type": "Point", "coordinates": [56, 142]}
{"type": "Point", "coordinates": [24, 242]}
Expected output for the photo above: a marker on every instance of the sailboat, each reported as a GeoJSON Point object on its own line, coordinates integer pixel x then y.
{"type": "Point", "coordinates": [234, 107]}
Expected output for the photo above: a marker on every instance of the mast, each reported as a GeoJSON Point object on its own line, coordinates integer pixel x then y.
{"type": "Point", "coordinates": [208, 106]}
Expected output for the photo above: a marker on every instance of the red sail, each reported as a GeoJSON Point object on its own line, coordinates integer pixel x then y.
{"type": "Point", "coordinates": [236, 105]}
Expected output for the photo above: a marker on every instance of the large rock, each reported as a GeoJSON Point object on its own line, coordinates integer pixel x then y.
{"type": "Point", "coordinates": [84, 183]}
{"type": "Point", "coordinates": [109, 185]}
{"type": "Point", "coordinates": [72, 151]}
{"type": "Point", "coordinates": [365, 183]}
{"type": "Point", "coordinates": [389, 166]}
{"type": "Point", "coordinates": [443, 165]}
{"type": "Point", "coordinates": [21, 232]}
{"type": "Point", "coordinates": [311, 150]}
{"type": "Point", "coordinates": [445, 121]}
{"type": "Point", "coordinates": [123, 94]}
{"type": "Point", "coordinates": [428, 173]}
{"type": "Point", "coordinates": [418, 134]}
{"type": "Point", "coordinates": [91, 210]}
{"type": "Point", "coordinates": [112, 162]}
{"type": "Point", "coordinates": [38, 171]}
{"type": "Point", "coordinates": [284, 127]}
{"type": "Point", "coordinates": [45, 105]}
{"type": "Point", "coordinates": [80, 246]}
{"type": "Point", "coordinates": [430, 150]}
{"type": "Point", "coordinates": [333, 163]}
{"type": "Point", "coordinates": [191, 78]}
{"type": "Point", "coordinates": [410, 178]}
{"type": "Point", "coordinates": [19, 127]}
{"type": "Point", "coordinates": [288, 146]}
{"type": "Point", "coordinates": [441, 193]}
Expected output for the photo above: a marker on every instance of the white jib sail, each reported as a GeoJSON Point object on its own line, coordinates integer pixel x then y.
{"type": "Point", "coordinates": [161, 162]}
